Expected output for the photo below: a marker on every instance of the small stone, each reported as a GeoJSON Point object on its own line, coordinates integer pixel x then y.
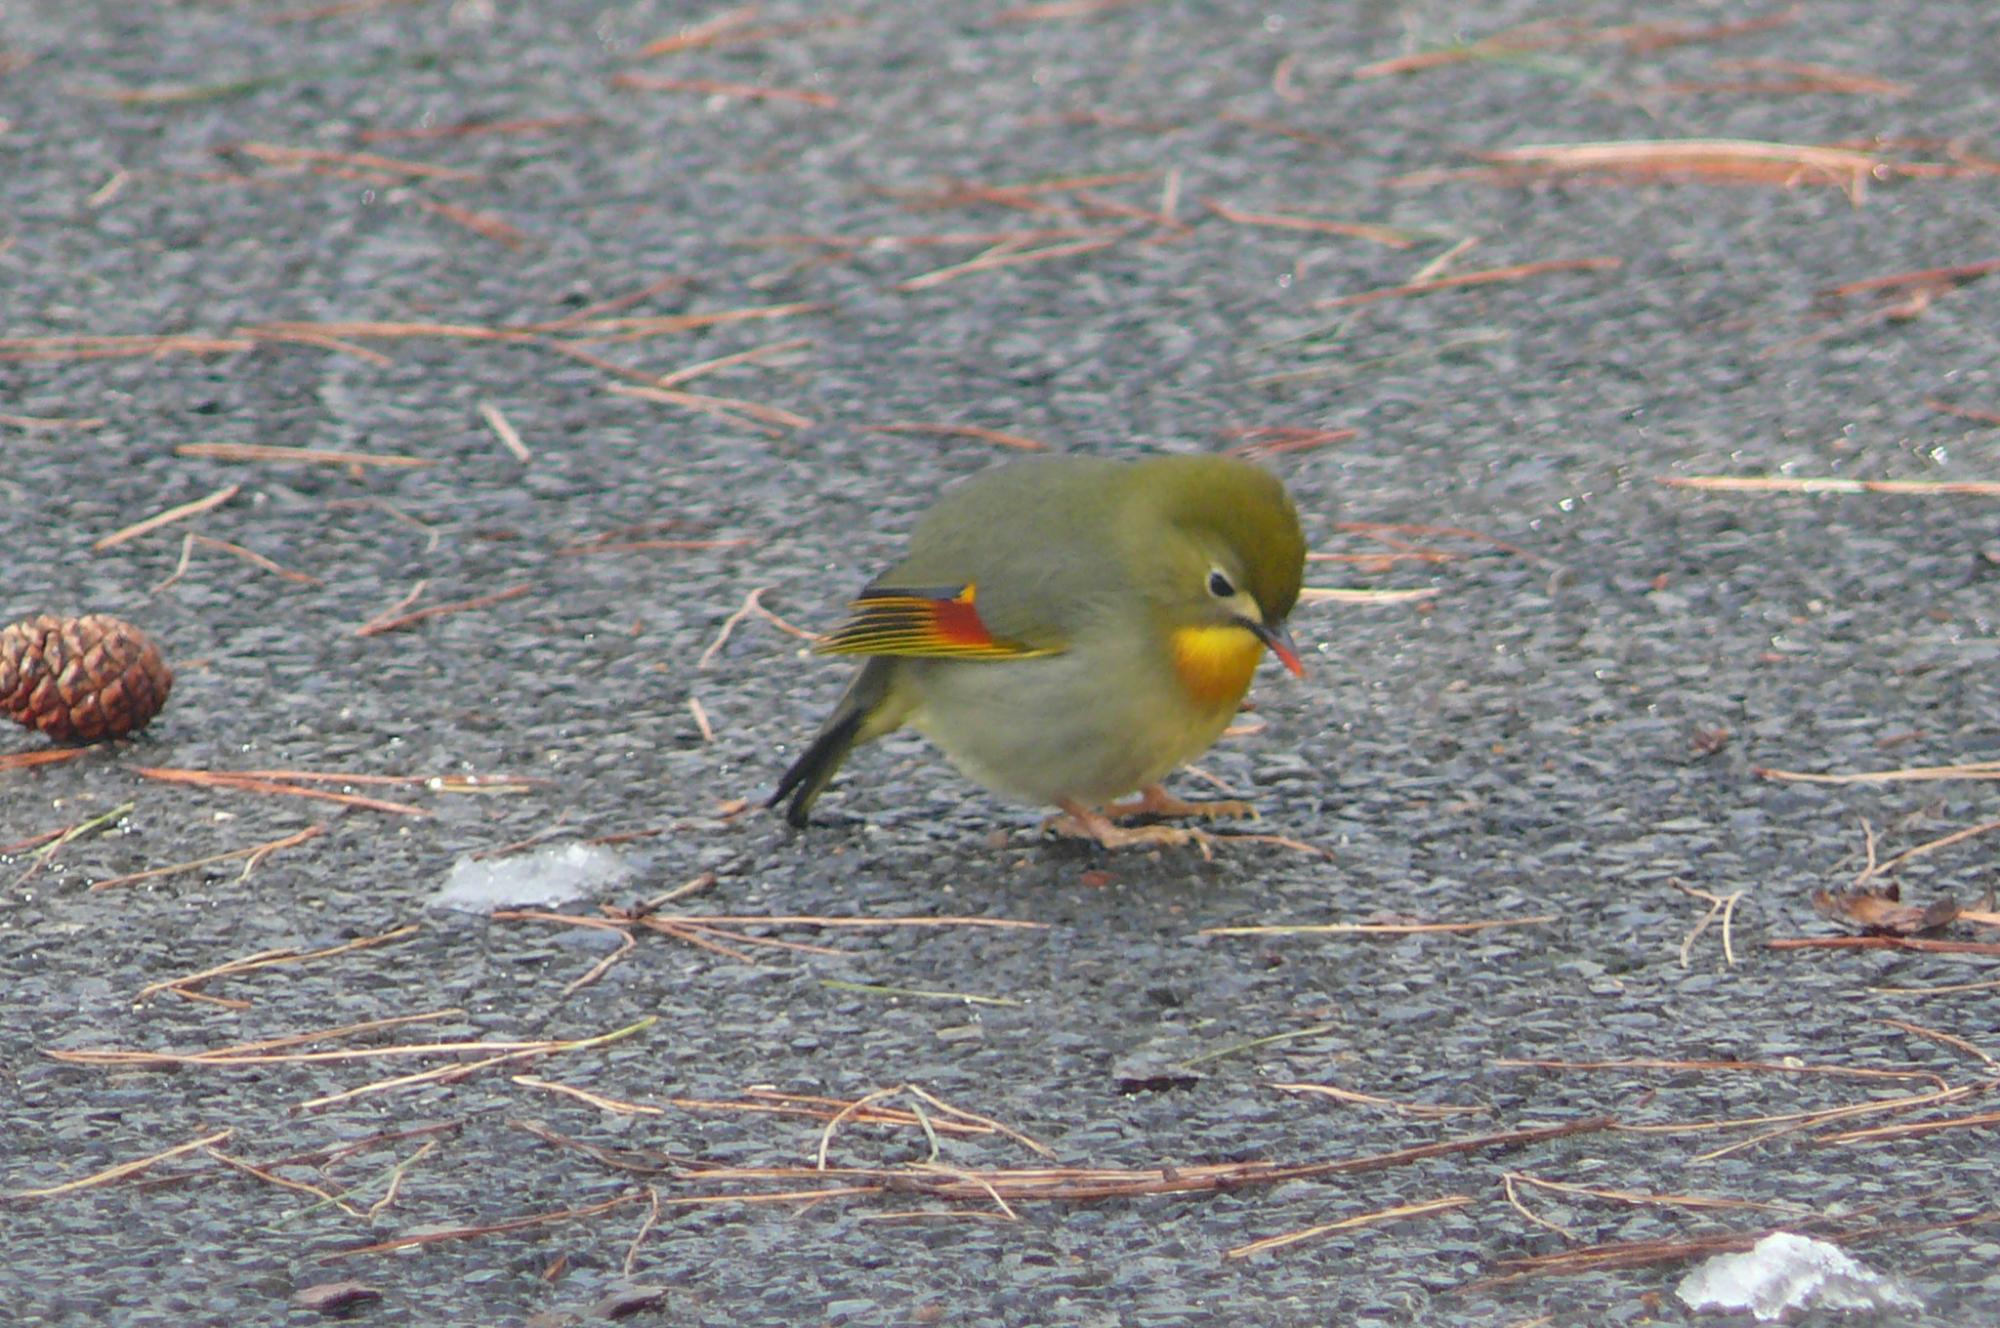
{"type": "Point", "coordinates": [334, 1297]}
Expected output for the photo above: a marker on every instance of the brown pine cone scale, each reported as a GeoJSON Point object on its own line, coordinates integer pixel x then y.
{"type": "Point", "coordinates": [81, 679]}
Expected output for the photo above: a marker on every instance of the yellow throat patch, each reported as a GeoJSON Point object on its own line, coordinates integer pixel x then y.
{"type": "Point", "coordinates": [1215, 663]}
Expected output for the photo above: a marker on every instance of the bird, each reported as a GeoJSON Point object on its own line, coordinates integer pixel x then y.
{"type": "Point", "coordinates": [1070, 629]}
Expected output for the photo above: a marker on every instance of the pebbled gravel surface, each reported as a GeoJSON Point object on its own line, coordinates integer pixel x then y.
{"type": "Point", "coordinates": [1569, 728]}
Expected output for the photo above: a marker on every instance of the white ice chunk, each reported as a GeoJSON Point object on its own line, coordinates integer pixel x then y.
{"type": "Point", "coordinates": [1784, 1272]}
{"type": "Point", "coordinates": [545, 876]}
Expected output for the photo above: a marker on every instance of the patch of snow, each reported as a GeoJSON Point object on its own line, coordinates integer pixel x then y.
{"type": "Point", "coordinates": [1784, 1272]}
{"type": "Point", "coordinates": [547, 875]}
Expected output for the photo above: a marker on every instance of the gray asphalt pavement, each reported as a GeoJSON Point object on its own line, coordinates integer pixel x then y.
{"type": "Point", "coordinates": [379, 228]}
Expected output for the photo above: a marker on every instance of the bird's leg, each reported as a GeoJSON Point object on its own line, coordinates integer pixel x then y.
{"type": "Point", "coordinates": [1154, 800]}
{"type": "Point", "coordinates": [1082, 822]}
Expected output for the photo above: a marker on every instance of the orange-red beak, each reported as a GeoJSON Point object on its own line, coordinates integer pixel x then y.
{"type": "Point", "coordinates": [1279, 638]}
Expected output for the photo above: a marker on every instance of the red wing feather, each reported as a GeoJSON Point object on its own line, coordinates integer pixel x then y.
{"type": "Point", "coordinates": [942, 623]}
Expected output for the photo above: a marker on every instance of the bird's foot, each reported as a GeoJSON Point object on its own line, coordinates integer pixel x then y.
{"type": "Point", "coordinates": [1083, 823]}
{"type": "Point", "coordinates": [1154, 800]}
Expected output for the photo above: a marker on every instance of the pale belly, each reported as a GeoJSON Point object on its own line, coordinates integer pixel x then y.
{"type": "Point", "coordinates": [1061, 726]}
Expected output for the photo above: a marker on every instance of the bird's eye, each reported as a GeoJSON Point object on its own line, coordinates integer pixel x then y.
{"type": "Point", "coordinates": [1219, 586]}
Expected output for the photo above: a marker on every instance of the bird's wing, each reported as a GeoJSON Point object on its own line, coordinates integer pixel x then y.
{"type": "Point", "coordinates": [937, 622]}
{"type": "Point", "coordinates": [1008, 565]}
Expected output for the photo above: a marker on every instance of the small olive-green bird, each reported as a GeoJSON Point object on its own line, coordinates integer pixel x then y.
{"type": "Point", "coordinates": [1070, 629]}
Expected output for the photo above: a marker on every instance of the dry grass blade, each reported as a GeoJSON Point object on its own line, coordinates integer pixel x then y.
{"type": "Point", "coordinates": [1923, 943]}
{"type": "Point", "coordinates": [277, 154]}
{"type": "Point", "coordinates": [1923, 278]}
{"type": "Point", "coordinates": [1719, 906]}
{"type": "Point", "coordinates": [1621, 1254]}
{"type": "Point", "coordinates": [488, 1228]}
{"type": "Point", "coordinates": [1968, 770]}
{"type": "Point", "coordinates": [1909, 1129]}
{"type": "Point", "coordinates": [53, 756]}
{"type": "Point", "coordinates": [1086, 1185]}
{"type": "Point", "coordinates": [1794, 79]}
{"type": "Point", "coordinates": [392, 620]}
{"type": "Point", "coordinates": [117, 347]}
{"type": "Point", "coordinates": [752, 605]}
{"type": "Point", "coordinates": [220, 779]}
{"type": "Point", "coordinates": [1829, 484]}
{"type": "Point", "coordinates": [725, 407]}
{"type": "Point", "coordinates": [186, 983]}
{"type": "Point", "coordinates": [638, 328]}
{"type": "Point", "coordinates": [469, 128]}
{"type": "Point", "coordinates": [755, 353]}
{"type": "Point", "coordinates": [1517, 41]}
{"type": "Point", "coordinates": [1487, 277]}
{"type": "Point", "coordinates": [1380, 1215]}
{"type": "Point", "coordinates": [310, 456]}
{"type": "Point", "coordinates": [1019, 441]}
{"type": "Point", "coordinates": [503, 429]}
{"type": "Point", "coordinates": [1802, 1119]}
{"type": "Point", "coordinates": [1420, 1110]}
{"type": "Point", "coordinates": [1727, 161]}
{"type": "Point", "coordinates": [1377, 928]}
{"type": "Point", "coordinates": [1642, 38]}
{"type": "Point", "coordinates": [168, 517]}
{"type": "Point", "coordinates": [1963, 412]}
{"type": "Point", "coordinates": [712, 87]}
{"type": "Point", "coordinates": [1283, 440]}
{"type": "Point", "coordinates": [771, 1102]}
{"type": "Point", "coordinates": [819, 920]}
{"type": "Point", "coordinates": [34, 422]}
{"type": "Point", "coordinates": [1388, 235]}
{"type": "Point", "coordinates": [483, 224]}
{"type": "Point", "coordinates": [708, 32]}
{"type": "Point", "coordinates": [237, 551]}
{"type": "Point", "coordinates": [1739, 1067]}
{"type": "Point", "coordinates": [990, 261]}
{"type": "Point", "coordinates": [1640, 1200]}
{"type": "Point", "coordinates": [256, 853]}
{"type": "Point", "coordinates": [111, 1175]}
{"type": "Point", "coordinates": [1940, 1037]}
{"type": "Point", "coordinates": [269, 1177]}
{"type": "Point", "coordinates": [598, 1100]}
{"type": "Point", "coordinates": [453, 1073]}
{"type": "Point", "coordinates": [1061, 9]}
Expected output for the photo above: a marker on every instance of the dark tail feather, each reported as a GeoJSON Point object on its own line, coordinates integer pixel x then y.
{"type": "Point", "coordinates": [856, 719]}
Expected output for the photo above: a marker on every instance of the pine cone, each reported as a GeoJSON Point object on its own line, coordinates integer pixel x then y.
{"type": "Point", "coordinates": [81, 679]}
